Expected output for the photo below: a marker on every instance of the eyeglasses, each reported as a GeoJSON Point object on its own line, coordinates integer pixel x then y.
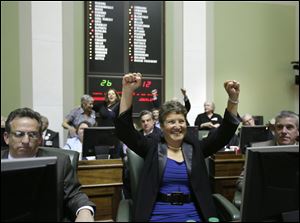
{"type": "Point", "coordinates": [21, 134]}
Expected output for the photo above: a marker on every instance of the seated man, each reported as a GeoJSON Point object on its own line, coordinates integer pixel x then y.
{"type": "Point", "coordinates": [286, 132]}
{"type": "Point", "coordinates": [148, 127]}
{"type": "Point", "coordinates": [248, 120]}
{"type": "Point", "coordinates": [233, 145]}
{"type": "Point", "coordinates": [50, 138]}
{"type": "Point", "coordinates": [23, 135]}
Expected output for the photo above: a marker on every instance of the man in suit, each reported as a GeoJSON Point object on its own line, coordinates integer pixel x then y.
{"type": "Point", "coordinates": [286, 132]}
{"type": "Point", "coordinates": [148, 126]}
{"type": "Point", "coordinates": [23, 134]}
{"type": "Point", "coordinates": [50, 138]}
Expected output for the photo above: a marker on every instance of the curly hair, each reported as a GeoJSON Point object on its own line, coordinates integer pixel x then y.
{"type": "Point", "coordinates": [172, 106]}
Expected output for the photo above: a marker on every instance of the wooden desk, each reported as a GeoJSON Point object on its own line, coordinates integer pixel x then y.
{"type": "Point", "coordinates": [224, 170]}
{"type": "Point", "coordinates": [102, 181]}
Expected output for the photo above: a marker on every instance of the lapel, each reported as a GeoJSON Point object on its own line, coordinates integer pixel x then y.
{"type": "Point", "coordinates": [187, 150]}
{"type": "Point", "coordinates": [162, 158]}
{"type": "Point", "coordinates": [49, 134]}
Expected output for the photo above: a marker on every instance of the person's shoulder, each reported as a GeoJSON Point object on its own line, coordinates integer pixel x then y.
{"type": "Point", "coordinates": [50, 151]}
{"type": "Point", "coordinates": [76, 109]}
{"type": "Point", "coordinates": [52, 132]}
{"type": "Point", "coordinates": [72, 140]}
{"type": "Point", "coordinates": [157, 130]}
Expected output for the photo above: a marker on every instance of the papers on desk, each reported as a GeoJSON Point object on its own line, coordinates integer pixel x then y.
{"type": "Point", "coordinates": [90, 157]}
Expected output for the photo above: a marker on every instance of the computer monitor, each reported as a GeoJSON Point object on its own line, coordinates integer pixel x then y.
{"type": "Point", "coordinates": [29, 190]}
{"type": "Point", "coordinates": [100, 142]}
{"type": "Point", "coordinates": [251, 134]}
{"type": "Point", "coordinates": [271, 184]}
{"type": "Point", "coordinates": [258, 119]}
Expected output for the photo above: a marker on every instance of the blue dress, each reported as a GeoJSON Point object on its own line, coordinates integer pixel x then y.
{"type": "Point", "coordinates": [175, 179]}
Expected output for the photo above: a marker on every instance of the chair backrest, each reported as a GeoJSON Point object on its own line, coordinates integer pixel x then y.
{"type": "Point", "coordinates": [74, 155]}
{"type": "Point", "coordinates": [202, 134]}
{"type": "Point", "coordinates": [135, 164]}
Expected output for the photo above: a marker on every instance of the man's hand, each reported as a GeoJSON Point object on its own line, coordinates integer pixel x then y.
{"type": "Point", "coordinates": [84, 215]}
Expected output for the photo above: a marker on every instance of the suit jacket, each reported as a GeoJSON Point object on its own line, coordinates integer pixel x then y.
{"type": "Point", "coordinates": [155, 134]}
{"type": "Point", "coordinates": [68, 184]}
{"type": "Point", "coordinates": [154, 152]}
{"type": "Point", "coordinates": [51, 139]}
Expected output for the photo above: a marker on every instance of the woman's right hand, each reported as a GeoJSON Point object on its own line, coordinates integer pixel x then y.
{"type": "Point", "coordinates": [132, 81]}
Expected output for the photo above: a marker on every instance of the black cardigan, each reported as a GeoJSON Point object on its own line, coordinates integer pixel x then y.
{"type": "Point", "coordinates": [154, 152]}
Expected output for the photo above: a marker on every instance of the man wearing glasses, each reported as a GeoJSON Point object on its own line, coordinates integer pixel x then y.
{"type": "Point", "coordinates": [23, 134]}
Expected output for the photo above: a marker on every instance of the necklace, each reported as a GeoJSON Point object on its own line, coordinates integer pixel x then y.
{"type": "Point", "coordinates": [174, 148]}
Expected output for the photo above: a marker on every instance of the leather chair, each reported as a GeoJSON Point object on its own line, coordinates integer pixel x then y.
{"type": "Point", "coordinates": [237, 199]}
{"type": "Point", "coordinates": [202, 134]}
{"type": "Point", "coordinates": [74, 155]}
{"type": "Point", "coordinates": [226, 210]}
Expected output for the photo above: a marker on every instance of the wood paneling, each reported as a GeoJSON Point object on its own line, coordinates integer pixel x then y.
{"type": "Point", "coordinates": [102, 181]}
{"type": "Point", "coordinates": [224, 170]}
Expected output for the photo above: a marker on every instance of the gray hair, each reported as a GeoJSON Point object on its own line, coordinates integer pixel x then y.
{"type": "Point", "coordinates": [86, 98]}
{"type": "Point", "coordinates": [145, 112]}
{"type": "Point", "coordinates": [212, 104]}
{"type": "Point", "coordinates": [288, 114]}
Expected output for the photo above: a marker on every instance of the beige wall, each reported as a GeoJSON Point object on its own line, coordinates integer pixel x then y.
{"type": "Point", "coordinates": [254, 43]}
{"type": "Point", "coordinates": [10, 61]}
